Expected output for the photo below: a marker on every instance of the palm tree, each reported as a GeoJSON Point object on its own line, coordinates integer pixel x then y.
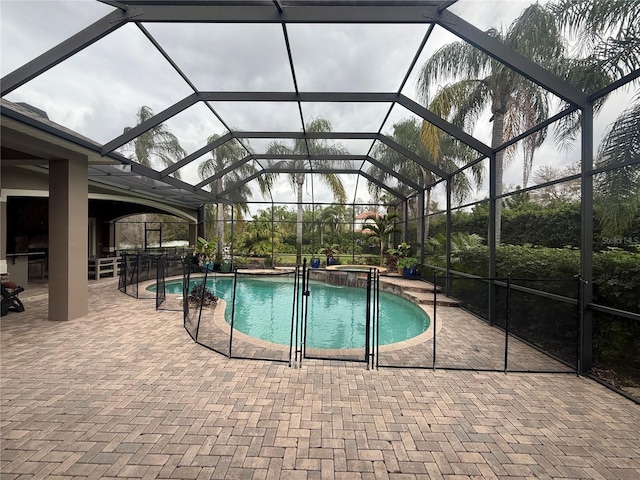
{"type": "Point", "coordinates": [381, 228]}
{"type": "Point", "coordinates": [408, 133]}
{"type": "Point", "coordinates": [157, 144]}
{"type": "Point", "coordinates": [516, 104]}
{"type": "Point", "coordinates": [226, 155]}
{"type": "Point", "coordinates": [305, 147]}
{"type": "Point", "coordinates": [331, 217]}
{"type": "Point", "coordinates": [610, 32]}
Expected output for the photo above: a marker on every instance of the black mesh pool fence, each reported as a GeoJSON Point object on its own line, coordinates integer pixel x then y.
{"type": "Point", "coordinates": [264, 310]}
{"type": "Point", "coordinates": [534, 325]}
{"type": "Point", "coordinates": [168, 267]}
{"type": "Point", "coordinates": [136, 269]}
{"type": "Point", "coordinates": [542, 314]}
{"type": "Point", "coordinates": [531, 329]}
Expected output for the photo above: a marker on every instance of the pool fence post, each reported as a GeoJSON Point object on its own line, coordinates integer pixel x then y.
{"type": "Point", "coordinates": [435, 316]}
{"type": "Point", "coordinates": [579, 325]}
{"type": "Point", "coordinates": [305, 309]}
{"type": "Point", "coordinates": [377, 318]}
{"type": "Point", "coordinates": [233, 309]}
{"type": "Point", "coordinates": [294, 313]}
{"type": "Point", "coordinates": [506, 326]}
{"type": "Point", "coordinates": [204, 287]}
{"type": "Point", "coordinates": [367, 322]}
{"type": "Point", "coordinates": [293, 323]}
{"type": "Point", "coordinates": [185, 294]}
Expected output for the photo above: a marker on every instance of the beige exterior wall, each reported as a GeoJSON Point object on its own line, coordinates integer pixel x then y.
{"type": "Point", "coordinates": [15, 178]}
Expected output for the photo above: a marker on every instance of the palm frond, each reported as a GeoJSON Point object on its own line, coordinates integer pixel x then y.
{"type": "Point", "coordinates": [454, 60]}
{"type": "Point", "coordinates": [156, 144]}
{"type": "Point", "coordinates": [617, 191]}
{"type": "Point", "coordinates": [608, 30]}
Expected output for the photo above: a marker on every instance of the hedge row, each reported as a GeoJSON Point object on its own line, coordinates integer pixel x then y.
{"type": "Point", "coordinates": [556, 227]}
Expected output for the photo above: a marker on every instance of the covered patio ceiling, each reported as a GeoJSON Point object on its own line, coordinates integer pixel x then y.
{"type": "Point", "coordinates": [220, 104]}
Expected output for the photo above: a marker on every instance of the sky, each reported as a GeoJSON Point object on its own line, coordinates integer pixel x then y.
{"type": "Point", "coordinates": [98, 91]}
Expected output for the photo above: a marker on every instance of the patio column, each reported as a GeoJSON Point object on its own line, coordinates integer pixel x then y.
{"type": "Point", "coordinates": [3, 235]}
{"type": "Point", "coordinates": [68, 237]}
{"type": "Point", "coordinates": [193, 234]}
{"type": "Point", "coordinates": [111, 246]}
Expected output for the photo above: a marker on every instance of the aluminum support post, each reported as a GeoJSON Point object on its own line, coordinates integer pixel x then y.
{"type": "Point", "coordinates": [586, 245]}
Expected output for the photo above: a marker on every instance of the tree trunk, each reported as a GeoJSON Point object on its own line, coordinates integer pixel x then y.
{"type": "Point", "coordinates": [497, 140]}
{"type": "Point", "coordinates": [300, 183]}
{"type": "Point", "coordinates": [220, 226]}
{"type": "Point", "coordinates": [219, 219]}
{"type": "Point", "coordinates": [426, 216]}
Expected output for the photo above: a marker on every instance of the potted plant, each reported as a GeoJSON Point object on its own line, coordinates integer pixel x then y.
{"type": "Point", "coordinates": [330, 251]}
{"type": "Point", "coordinates": [394, 255]}
{"type": "Point", "coordinates": [409, 267]}
{"type": "Point", "coordinates": [205, 252]}
{"type": "Point", "coordinates": [315, 262]}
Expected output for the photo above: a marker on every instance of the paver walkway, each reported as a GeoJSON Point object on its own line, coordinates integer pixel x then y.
{"type": "Point", "coordinates": [125, 393]}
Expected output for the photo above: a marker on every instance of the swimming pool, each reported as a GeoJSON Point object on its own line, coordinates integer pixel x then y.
{"type": "Point", "coordinates": [335, 319]}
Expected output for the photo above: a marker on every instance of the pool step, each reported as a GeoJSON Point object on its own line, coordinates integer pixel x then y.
{"type": "Point", "coordinates": [425, 298]}
{"type": "Point", "coordinates": [417, 291]}
{"type": "Point", "coordinates": [408, 285]}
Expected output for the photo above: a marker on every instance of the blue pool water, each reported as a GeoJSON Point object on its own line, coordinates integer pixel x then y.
{"type": "Point", "coordinates": [336, 314]}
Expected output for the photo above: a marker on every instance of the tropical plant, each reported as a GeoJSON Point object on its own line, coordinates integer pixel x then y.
{"type": "Point", "coordinates": [330, 251]}
{"type": "Point", "coordinates": [516, 104]}
{"type": "Point", "coordinates": [229, 154]}
{"type": "Point", "coordinates": [380, 228]}
{"type": "Point", "coordinates": [155, 145]}
{"type": "Point", "coordinates": [402, 250]}
{"type": "Point", "coordinates": [308, 146]}
{"type": "Point", "coordinates": [330, 218]}
{"type": "Point", "coordinates": [617, 190]}
{"type": "Point", "coordinates": [460, 242]}
{"type": "Point", "coordinates": [260, 234]}
{"type": "Point", "coordinates": [205, 250]}
{"type": "Point", "coordinates": [408, 134]}
{"type": "Point", "coordinates": [408, 262]}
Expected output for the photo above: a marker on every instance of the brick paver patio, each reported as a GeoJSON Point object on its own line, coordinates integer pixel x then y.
{"type": "Point", "coordinates": [125, 393]}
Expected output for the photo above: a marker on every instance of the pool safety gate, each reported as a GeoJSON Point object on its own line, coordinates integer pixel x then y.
{"type": "Point", "coordinates": [212, 323]}
{"type": "Point", "coordinates": [369, 307]}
